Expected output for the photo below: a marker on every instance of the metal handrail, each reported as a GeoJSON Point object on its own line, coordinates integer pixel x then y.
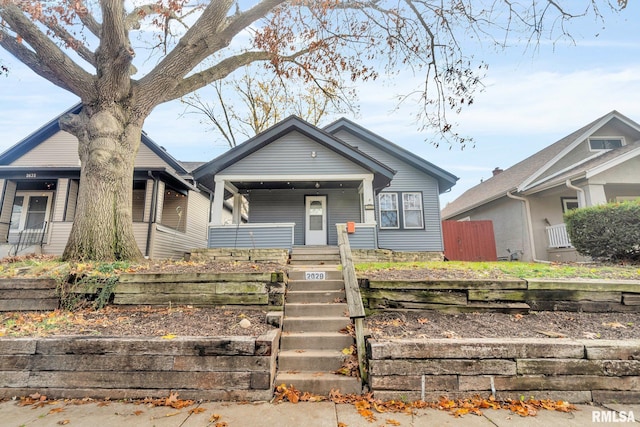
{"type": "Point", "coordinates": [354, 299]}
{"type": "Point", "coordinates": [30, 237]}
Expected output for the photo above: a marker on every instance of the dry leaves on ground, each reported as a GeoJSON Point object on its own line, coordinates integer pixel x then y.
{"type": "Point", "coordinates": [368, 407]}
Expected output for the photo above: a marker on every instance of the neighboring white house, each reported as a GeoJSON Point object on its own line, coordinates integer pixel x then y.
{"type": "Point", "coordinates": [40, 175]}
{"type": "Point", "coordinates": [596, 164]}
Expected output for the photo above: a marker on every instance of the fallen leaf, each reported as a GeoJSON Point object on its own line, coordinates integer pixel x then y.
{"type": "Point", "coordinates": [138, 412]}
{"type": "Point", "coordinates": [423, 320]}
{"type": "Point", "coordinates": [392, 422]}
{"type": "Point", "coordinates": [56, 410]}
{"type": "Point", "coordinates": [168, 337]}
{"type": "Point", "coordinates": [63, 422]}
{"type": "Point", "coordinates": [614, 325]}
{"type": "Point", "coordinates": [197, 410]}
{"type": "Point", "coordinates": [214, 418]}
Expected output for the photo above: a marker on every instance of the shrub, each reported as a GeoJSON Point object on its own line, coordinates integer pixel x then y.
{"type": "Point", "coordinates": [606, 232]}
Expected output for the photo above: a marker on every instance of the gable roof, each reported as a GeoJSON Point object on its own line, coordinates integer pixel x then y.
{"type": "Point", "coordinates": [445, 179]}
{"type": "Point", "coordinates": [521, 176]}
{"type": "Point", "coordinates": [382, 173]}
{"type": "Point", "coordinates": [52, 127]}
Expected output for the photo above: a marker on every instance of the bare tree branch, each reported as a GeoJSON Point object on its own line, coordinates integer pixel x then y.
{"type": "Point", "coordinates": [59, 68]}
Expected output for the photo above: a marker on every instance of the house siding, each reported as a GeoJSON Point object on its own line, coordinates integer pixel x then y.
{"type": "Point", "coordinates": [292, 155]}
{"type": "Point", "coordinates": [407, 179]}
{"type": "Point", "coordinates": [582, 150]}
{"type": "Point", "coordinates": [289, 206]}
{"type": "Point", "coordinates": [171, 244]}
{"type": "Point", "coordinates": [509, 225]}
{"type": "Point", "coordinates": [250, 237]}
{"type": "Point", "coordinates": [8, 194]}
{"type": "Point", "coordinates": [61, 150]}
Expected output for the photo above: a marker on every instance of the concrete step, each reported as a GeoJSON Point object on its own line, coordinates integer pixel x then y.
{"type": "Point", "coordinates": [330, 273]}
{"type": "Point", "coordinates": [312, 263]}
{"type": "Point", "coordinates": [320, 383]}
{"type": "Point", "coordinates": [292, 297]}
{"type": "Point", "coordinates": [317, 309]}
{"type": "Point", "coordinates": [310, 360]}
{"type": "Point", "coordinates": [315, 250]}
{"type": "Point", "coordinates": [327, 258]}
{"type": "Point", "coordinates": [315, 340]}
{"type": "Point", "coordinates": [314, 324]}
{"type": "Point", "coordinates": [315, 285]}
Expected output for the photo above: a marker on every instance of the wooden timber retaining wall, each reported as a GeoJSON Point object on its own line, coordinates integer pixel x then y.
{"type": "Point", "coordinates": [28, 294]}
{"type": "Point", "coordinates": [503, 295]}
{"type": "Point", "coordinates": [201, 289]}
{"type": "Point", "coordinates": [577, 371]}
{"type": "Point", "coordinates": [209, 368]}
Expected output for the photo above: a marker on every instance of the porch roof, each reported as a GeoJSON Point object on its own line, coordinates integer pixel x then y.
{"type": "Point", "coordinates": [205, 174]}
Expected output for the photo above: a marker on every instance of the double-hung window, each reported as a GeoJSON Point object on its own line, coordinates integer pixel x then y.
{"type": "Point", "coordinates": [412, 210]}
{"type": "Point", "coordinates": [392, 204]}
{"type": "Point", "coordinates": [389, 211]}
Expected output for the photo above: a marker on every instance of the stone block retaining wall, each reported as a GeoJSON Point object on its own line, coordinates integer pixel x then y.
{"type": "Point", "coordinates": [210, 368]}
{"type": "Point", "coordinates": [387, 255]}
{"type": "Point", "coordinates": [574, 370]}
{"type": "Point", "coordinates": [279, 256]}
{"type": "Point", "coordinates": [507, 295]}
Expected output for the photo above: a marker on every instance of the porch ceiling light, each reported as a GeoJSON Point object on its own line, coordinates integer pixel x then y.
{"type": "Point", "coordinates": [314, 154]}
{"type": "Point", "coordinates": [317, 185]}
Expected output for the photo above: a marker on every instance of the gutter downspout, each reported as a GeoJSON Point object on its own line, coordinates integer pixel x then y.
{"type": "Point", "coordinates": [527, 208]}
{"type": "Point", "coordinates": [152, 213]}
{"type": "Point", "coordinates": [582, 198]}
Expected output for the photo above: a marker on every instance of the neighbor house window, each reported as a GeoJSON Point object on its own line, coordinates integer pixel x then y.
{"type": "Point", "coordinates": [389, 210]}
{"type": "Point", "coordinates": [569, 203]}
{"type": "Point", "coordinates": [412, 210]}
{"type": "Point", "coordinates": [174, 209]}
{"type": "Point", "coordinates": [596, 144]}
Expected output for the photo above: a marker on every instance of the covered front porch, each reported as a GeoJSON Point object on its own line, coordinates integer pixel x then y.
{"type": "Point", "coordinates": [283, 211]}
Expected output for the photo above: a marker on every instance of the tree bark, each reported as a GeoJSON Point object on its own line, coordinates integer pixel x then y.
{"type": "Point", "coordinates": [108, 144]}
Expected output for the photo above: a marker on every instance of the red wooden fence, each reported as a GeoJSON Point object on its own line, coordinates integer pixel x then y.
{"type": "Point", "coordinates": [469, 241]}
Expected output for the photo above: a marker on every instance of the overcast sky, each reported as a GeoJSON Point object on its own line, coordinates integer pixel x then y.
{"type": "Point", "coordinates": [531, 100]}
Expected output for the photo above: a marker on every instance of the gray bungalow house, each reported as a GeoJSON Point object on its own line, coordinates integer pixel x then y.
{"type": "Point", "coordinates": [300, 181]}
{"type": "Point", "coordinates": [39, 179]}
{"type": "Point", "coordinates": [596, 164]}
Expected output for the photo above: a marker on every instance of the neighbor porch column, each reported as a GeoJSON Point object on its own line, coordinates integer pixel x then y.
{"type": "Point", "coordinates": [595, 195]}
{"type": "Point", "coordinates": [218, 202]}
{"type": "Point", "coordinates": [368, 199]}
{"type": "Point", "coordinates": [237, 208]}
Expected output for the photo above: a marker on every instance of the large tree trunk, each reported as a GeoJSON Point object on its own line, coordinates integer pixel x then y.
{"type": "Point", "coordinates": [108, 144]}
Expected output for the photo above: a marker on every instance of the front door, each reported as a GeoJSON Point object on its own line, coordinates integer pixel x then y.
{"type": "Point", "coordinates": [316, 220]}
{"type": "Point", "coordinates": [30, 212]}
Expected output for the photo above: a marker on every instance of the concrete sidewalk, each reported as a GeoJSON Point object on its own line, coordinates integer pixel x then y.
{"type": "Point", "coordinates": [323, 414]}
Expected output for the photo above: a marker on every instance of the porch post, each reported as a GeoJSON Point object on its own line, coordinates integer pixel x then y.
{"type": "Point", "coordinates": [595, 195]}
{"type": "Point", "coordinates": [237, 208]}
{"type": "Point", "coordinates": [218, 202]}
{"type": "Point", "coordinates": [368, 199]}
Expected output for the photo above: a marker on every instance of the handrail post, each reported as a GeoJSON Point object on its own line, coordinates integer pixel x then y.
{"type": "Point", "coordinates": [354, 299]}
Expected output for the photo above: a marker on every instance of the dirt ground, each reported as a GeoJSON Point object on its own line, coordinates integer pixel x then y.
{"type": "Point", "coordinates": [193, 321]}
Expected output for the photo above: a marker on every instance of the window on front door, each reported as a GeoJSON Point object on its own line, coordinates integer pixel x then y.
{"type": "Point", "coordinates": [30, 211]}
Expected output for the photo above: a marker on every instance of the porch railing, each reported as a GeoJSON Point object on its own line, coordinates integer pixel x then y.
{"type": "Point", "coordinates": [30, 237]}
{"type": "Point", "coordinates": [558, 236]}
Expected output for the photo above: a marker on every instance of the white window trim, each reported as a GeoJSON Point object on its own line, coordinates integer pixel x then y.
{"type": "Point", "coordinates": [421, 210]}
{"type": "Point", "coordinates": [566, 201]}
{"type": "Point", "coordinates": [600, 138]}
{"type": "Point", "coordinates": [395, 194]}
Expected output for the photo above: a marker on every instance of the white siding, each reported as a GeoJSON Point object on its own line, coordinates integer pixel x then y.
{"type": "Point", "coordinates": [61, 150]}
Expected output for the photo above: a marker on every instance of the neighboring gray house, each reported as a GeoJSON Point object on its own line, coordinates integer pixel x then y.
{"type": "Point", "coordinates": [39, 178]}
{"type": "Point", "coordinates": [596, 164]}
{"type": "Point", "coordinates": [300, 180]}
